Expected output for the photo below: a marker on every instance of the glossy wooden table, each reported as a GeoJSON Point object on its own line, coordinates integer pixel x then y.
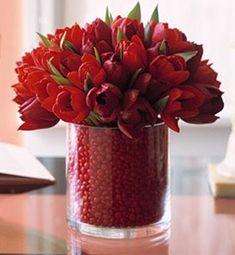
{"type": "Point", "coordinates": [34, 223]}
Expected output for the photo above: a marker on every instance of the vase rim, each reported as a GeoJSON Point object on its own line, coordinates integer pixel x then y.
{"type": "Point", "coordinates": [114, 128]}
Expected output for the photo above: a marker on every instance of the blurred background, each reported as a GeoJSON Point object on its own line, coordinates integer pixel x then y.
{"type": "Point", "coordinates": [209, 22]}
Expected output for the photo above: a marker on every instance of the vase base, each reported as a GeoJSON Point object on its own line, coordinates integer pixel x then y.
{"type": "Point", "coordinates": [159, 231]}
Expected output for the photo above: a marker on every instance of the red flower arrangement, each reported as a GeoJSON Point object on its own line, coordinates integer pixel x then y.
{"type": "Point", "coordinates": [117, 73]}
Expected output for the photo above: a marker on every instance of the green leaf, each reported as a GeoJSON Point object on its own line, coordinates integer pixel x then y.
{"type": "Point", "coordinates": [61, 80]}
{"type": "Point", "coordinates": [107, 17]}
{"type": "Point", "coordinates": [69, 46]}
{"type": "Point", "coordinates": [134, 77]}
{"type": "Point", "coordinates": [155, 15]}
{"type": "Point", "coordinates": [160, 105]}
{"type": "Point", "coordinates": [96, 115]}
{"type": "Point", "coordinates": [135, 13]}
{"type": "Point", "coordinates": [111, 17]}
{"type": "Point", "coordinates": [147, 33]}
{"type": "Point", "coordinates": [120, 52]}
{"type": "Point", "coordinates": [95, 119]}
{"type": "Point", "coordinates": [88, 121]}
{"type": "Point", "coordinates": [63, 40]}
{"type": "Point", "coordinates": [120, 35]}
{"type": "Point", "coordinates": [187, 55]}
{"type": "Point", "coordinates": [53, 69]}
{"type": "Point", "coordinates": [88, 83]}
{"type": "Point", "coordinates": [97, 55]}
{"type": "Point", "coordinates": [45, 40]}
{"type": "Point", "coordinates": [162, 49]}
{"type": "Point", "coordinates": [57, 76]}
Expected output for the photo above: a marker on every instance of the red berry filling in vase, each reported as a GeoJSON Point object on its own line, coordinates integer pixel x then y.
{"type": "Point", "coordinates": [115, 181]}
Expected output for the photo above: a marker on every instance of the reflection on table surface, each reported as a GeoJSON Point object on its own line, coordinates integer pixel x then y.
{"type": "Point", "coordinates": [35, 222]}
{"type": "Point", "coordinates": [81, 244]}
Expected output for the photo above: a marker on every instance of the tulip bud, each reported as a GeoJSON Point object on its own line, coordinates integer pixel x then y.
{"type": "Point", "coordinates": [116, 74]}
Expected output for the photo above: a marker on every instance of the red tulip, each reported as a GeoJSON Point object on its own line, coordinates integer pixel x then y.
{"type": "Point", "coordinates": [74, 35]}
{"type": "Point", "coordinates": [103, 49]}
{"type": "Point", "coordinates": [105, 100]}
{"type": "Point", "coordinates": [135, 114]}
{"type": "Point", "coordinates": [183, 102]}
{"type": "Point", "coordinates": [22, 93]}
{"type": "Point", "coordinates": [24, 67]}
{"type": "Point", "coordinates": [89, 66]}
{"type": "Point", "coordinates": [143, 82]}
{"type": "Point", "coordinates": [170, 70]}
{"type": "Point", "coordinates": [116, 73]}
{"type": "Point", "coordinates": [30, 72]}
{"type": "Point", "coordinates": [69, 62]}
{"type": "Point", "coordinates": [153, 52]}
{"type": "Point", "coordinates": [212, 104]}
{"type": "Point", "coordinates": [193, 64]}
{"type": "Point", "coordinates": [99, 35]}
{"type": "Point", "coordinates": [176, 40]}
{"type": "Point", "coordinates": [47, 91]}
{"type": "Point", "coordinates": [129, 27]}
{"type": "Point", "coordinates": [42, 55]}
{"type": "Point", "coordinates": [70, 105]}
{"type": "Point", "coordinates": [35, 117]}
{"type": "Point", "coordinates": [167, 72]}
{"type": "Point", "coordinates": [32, 113]}
{"type": "Point", "coordinates": [206, 75]}
{"type": "Point", "coordinates": [134, 54]}
{"type": "Point", "coordinates": [100, 31]}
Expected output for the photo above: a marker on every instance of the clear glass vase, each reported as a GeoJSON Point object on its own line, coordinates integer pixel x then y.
{"type": "Point", "coordinates": [118, 187]}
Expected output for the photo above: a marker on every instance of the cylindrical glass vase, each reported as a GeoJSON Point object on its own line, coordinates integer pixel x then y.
{"type": "Point", "coordinates": [118, 187]}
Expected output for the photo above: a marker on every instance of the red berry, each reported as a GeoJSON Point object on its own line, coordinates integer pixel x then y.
{"type": "Point", "coordinates": [121, 182]}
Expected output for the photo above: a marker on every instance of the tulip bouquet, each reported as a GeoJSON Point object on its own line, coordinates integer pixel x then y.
{"type": "Point", "coordinates": [117, 73]}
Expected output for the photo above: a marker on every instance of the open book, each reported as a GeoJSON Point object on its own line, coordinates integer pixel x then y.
{"type": "Point", "coordinates": [20, 171]}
